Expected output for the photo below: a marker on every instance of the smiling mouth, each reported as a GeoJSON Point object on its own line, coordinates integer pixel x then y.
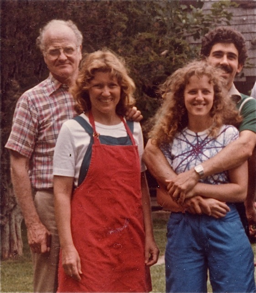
{"type": "Point", "coordinates": [224, 73]}
{"type": "Point", "coordinates": [199, 105]}
{"type": "Point", "coordinates": [63, 64]}
{"type": "Point", "coordinates": [106, 101]}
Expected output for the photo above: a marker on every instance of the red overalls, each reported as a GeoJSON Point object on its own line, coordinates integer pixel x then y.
{"type": "Point", "coordinates": [107, 223]}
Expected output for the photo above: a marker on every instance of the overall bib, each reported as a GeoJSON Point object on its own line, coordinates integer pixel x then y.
{"type": "Point", "coordinates": [107, 222]}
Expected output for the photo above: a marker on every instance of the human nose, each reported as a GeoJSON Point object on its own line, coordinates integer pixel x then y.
{"type": "Point", "coordinates": [62, 55]}
{"type": "Point", "coordinates": [224, 60]}
{"type": "Point", "coordinates": [199, 95]}
{"type": "Point", "coordinates": [106, 91]}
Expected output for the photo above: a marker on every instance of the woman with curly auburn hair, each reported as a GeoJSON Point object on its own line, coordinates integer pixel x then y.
{"type": "Point", "coordinates": [189, 129]}
{"type": "Point", "coordinates": [102, 202]}
{"type": "Point", "coordinates": [172, 117]}
{"type": "Point", "coordinates": [103, 61]}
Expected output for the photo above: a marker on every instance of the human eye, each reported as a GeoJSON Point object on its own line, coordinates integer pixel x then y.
{"type": "Point", "coordinates": [192, 92]}
{"type": "Point", "coordinates": [53, 52]}
{"type": "Point", "coordinates": [206, 92]}
{"type": "Point", "coordinates": [232, 57]}
{"type": "Point", "coordinates": [217, 54]}
{"type": "Point", "coordinates": [97, 86]}
{"type": "Point", "coordinates": [69, 50]}
{"type": "Point", "coordinates": [113, 85]}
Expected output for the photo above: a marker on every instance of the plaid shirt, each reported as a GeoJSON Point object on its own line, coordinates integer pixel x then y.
{"type": "Point", "coordinates": [38, 117]}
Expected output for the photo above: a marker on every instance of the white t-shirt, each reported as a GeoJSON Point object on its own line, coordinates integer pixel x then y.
{"type": "Point", "coordinates": [73, 141]}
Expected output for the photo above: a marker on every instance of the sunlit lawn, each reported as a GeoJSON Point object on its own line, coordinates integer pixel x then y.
{"type": "Point", "coordinates": [158, 271]}
{"type": "Point", "coordinates": [16, 274]}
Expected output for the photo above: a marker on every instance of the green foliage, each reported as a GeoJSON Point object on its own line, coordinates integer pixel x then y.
{"type": "Point", "coordinates": [151, 35]}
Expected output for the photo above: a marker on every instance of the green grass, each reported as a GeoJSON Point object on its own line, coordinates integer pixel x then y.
{"type": "Point", "coordinates": [160, 234]}
{"type": "Point", "coordinates": [158, 278]}
{"type": "Point", "coordinates": [158, 271]}
{"type": "Point", "coordinates": [16, 274]}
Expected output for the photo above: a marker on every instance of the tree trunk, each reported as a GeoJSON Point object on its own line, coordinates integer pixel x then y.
{"type": "Point", "coordinates": [11, 219]}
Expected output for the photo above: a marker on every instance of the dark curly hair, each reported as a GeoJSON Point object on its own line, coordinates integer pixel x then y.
{"type": "Point", "coordinates": [224, 35]}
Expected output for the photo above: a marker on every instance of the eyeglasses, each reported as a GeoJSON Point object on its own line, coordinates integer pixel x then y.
{"type": "Point", "coordinates": [55, 53]}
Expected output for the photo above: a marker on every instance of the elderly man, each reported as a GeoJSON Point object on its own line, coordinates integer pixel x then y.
{"type": "Point", "coordinates": [225, 48]}
{"type": "Point", "coordinates": [37, 120]}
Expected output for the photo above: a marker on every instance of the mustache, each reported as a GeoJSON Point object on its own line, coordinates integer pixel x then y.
{"type": "Point", "coordinates": [225, 68]}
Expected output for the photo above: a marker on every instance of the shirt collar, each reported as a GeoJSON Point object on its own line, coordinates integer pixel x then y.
{"type": "Point", "coordinates": [234, 94]}
{"type": "Point", "coordinates": [55, 84]}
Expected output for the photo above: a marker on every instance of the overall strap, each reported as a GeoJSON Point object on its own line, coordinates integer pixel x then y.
{"type": "Point", "coordinates": [130, 125]}
{"type": "Point", "coordinates": [87, 127]}
{"type": "Point", "coordinates": [129, 128]}
{"type": "Point", "coordinates": [95, 134]}
{"type": "Point", "coordinates": [84, 168]}
{"type": "Point", "coordinates": [96, 139]}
